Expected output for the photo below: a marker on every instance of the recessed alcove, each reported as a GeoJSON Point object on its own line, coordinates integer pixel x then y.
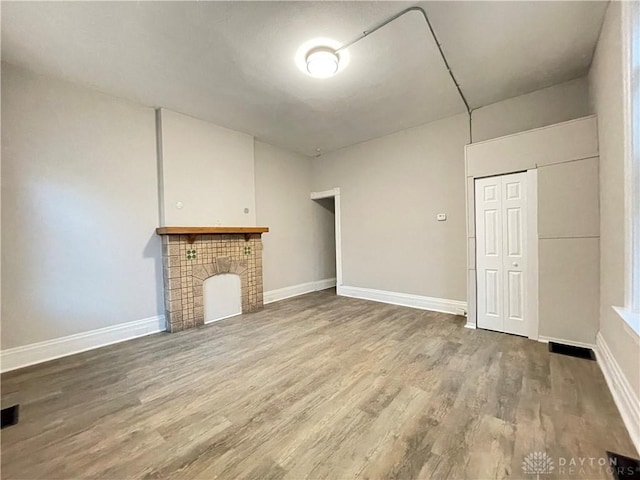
{"type": "Point", "coordinates": [222, 297]}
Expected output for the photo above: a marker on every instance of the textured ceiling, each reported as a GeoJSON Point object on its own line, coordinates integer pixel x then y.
{"type": "Point", "coordinates": [232, 63]}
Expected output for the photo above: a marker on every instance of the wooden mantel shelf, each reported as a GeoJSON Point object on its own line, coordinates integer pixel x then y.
{"type": "Point", "coordinates": [192, 232]}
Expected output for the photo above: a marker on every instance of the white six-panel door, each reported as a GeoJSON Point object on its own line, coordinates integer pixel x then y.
{"type": "Point", "coordinates": [501, 261]}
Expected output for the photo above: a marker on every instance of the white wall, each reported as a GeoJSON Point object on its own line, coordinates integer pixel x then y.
{"type": "Point", "coordinates": [391, 190]}
{"type": "Point", "coordinates": [209, 169]}
{"type": "Point", "coordinates": [554, 104]}
{"type": "Point", "coordinates": [293, 252]}
{"type": "Point", "coordinates": [79, 190]}
{"type": "Point", "coordinates": [606, 83]}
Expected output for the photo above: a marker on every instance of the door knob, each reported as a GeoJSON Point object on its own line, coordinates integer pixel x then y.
{"type": "Point", "coordinates": [515, 264]}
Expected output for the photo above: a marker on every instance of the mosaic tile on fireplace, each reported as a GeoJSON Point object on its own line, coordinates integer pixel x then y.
{"type": "Point", "coordinates": [188, 262]}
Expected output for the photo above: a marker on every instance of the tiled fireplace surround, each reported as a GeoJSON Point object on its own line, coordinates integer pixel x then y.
{"type": "Point", "coordinates": [187, 265]}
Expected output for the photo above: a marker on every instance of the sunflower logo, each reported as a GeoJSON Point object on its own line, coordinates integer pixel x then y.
{"type": "Point", "coordinates": [537, 463]}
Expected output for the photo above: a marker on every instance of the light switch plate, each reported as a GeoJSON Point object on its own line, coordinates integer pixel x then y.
{"type": "Point", "coordinates": [441, 217]}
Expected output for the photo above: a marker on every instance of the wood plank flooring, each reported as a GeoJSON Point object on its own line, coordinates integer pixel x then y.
{"type": "Point", "coordinates": [318, 386]}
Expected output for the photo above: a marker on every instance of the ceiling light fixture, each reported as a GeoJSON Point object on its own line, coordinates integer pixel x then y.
{"type": "Point", "coordinates": [321, 57]}
{"type": "Point", "coordinates": [322, 62]}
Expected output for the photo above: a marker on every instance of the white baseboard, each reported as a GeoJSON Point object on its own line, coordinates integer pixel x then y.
{"type": "Point", "coordinates": [623, 395]}
{"type": "Point", "coordinates": [455, 307]}
{"type": "Point", "coordinates": [295, 290]}
{"type": "Point", "coordinates": [544, 339]}
{"type": "Point", "coordinates": [470, 325]}
{"type": "Point", "coordinates": [326, 283]}
{"type": "Point", "coordinates": [18, 357]}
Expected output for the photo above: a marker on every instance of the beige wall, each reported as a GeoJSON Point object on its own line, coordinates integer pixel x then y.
{"type": "Point", "coordinates": [104, 148]}
{"type": "Point", "coordinates": [606, 84]}
{"type": "Point", "coordinates": [299, 247]}
{"type": "Point", "coordinates": [391, 190]}
{"type": "Point", "coordinates": [568, 141]}
{"type": "Point", "coordinates": [79, 190]}
{"type": "Point", "coordinates": [80, 179]}
{"type": "Point", "coordinates": [569, 250]}
{"type": "Point", "coordinates": [209, 169]}
{"type": "Point", "coordinates": [554, 104]}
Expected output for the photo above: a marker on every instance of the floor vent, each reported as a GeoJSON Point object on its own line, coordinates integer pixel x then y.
{"type": "Point", "coordinates": [624, 468]}
{"type": "Point", "coordinates": [570, 350]}
{"type": "Point", "coordinates": [10, 415]}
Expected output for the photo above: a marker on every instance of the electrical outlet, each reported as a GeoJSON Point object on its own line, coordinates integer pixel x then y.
{"type": "Point", "coordinates": [441, 217]}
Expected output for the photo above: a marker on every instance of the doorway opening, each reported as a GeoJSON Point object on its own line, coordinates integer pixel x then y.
{"type": "Point", "coordinates": [329, 248]}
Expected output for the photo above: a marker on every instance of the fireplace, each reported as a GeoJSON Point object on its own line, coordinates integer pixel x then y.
{"type": "Point", "coordinates": [190, 255]}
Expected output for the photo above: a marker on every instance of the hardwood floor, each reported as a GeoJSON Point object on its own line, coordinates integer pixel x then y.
{"type": "Point", "coordinates": [317, 386]}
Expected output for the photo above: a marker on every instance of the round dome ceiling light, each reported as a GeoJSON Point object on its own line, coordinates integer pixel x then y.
{"type": "Point", "coordinates": [322, 62]}
{"type": "Point", "coordinates": [321, 57]}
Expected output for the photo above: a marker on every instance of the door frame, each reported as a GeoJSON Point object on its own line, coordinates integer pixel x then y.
{"type": "Point", "coordinates": [532, 252]}
{"type": "Point", "coordinates": [335, 194]}
{"type": "Point", "coordinates": [531, 307]}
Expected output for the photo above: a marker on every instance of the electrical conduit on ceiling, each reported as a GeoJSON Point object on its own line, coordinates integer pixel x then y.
{"type": "Point", "coordinates": [366, 33]}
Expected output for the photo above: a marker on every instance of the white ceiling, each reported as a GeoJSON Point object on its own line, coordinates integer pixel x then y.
{"type": "Point", "coordinates": [232, 63]}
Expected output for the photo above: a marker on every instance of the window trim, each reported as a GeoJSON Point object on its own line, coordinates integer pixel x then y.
{"type": "Point", "coordinates": [630, 313]}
